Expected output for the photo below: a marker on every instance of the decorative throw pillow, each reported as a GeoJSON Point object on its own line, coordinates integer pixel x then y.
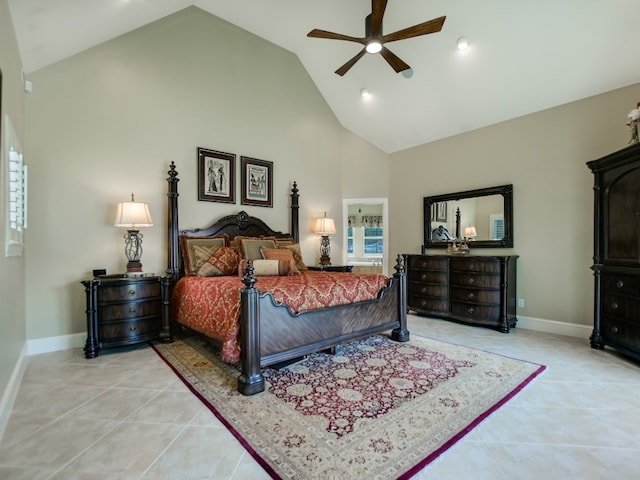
{"type": "Point", "coordinates": [224, 261]}
{"type": "Point", "coordinates": [282, 254]}
{"type": "Point", "coordinates": [297, 255]}
{"type": "Point", "coordinates": [262, 267]}
{"type": "Point", "coordinates": [197, 250]}
{"type": "Point", "coordinates": [250, 247]}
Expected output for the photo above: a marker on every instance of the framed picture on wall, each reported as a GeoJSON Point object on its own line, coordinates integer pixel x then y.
{"type": "Point", "coordinates": [216, 176]}
{"type": "Point", "coordinates": [257, 182]}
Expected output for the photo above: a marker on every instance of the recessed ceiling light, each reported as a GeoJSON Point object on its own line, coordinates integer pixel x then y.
{"type": "Point", "coordinates": [365, 94]}
{"type": "Point", "coordinates": [463, 44]}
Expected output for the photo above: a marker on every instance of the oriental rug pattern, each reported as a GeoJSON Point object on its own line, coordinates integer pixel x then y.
{"type": "Point", "coordinates": [376, 409]}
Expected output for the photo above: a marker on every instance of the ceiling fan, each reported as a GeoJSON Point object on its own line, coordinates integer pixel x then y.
{"type": "Point", "coordinates": [374, 40]}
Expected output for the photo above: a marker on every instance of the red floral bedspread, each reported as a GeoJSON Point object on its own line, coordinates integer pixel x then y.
{"type": "Point", "coordinates": [211, 305]}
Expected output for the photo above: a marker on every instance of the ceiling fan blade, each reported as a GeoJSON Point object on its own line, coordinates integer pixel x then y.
{"type": "Point", "coordinates": [315, 33]}
{"type": "Point", "coordinates": [431, 26]}
{"type": "Point", "coordinates": [345, 68]}
{"type": "Point", "coordinates": [392, 59]}
{"type": "Point", "coordinates": [377, 12]}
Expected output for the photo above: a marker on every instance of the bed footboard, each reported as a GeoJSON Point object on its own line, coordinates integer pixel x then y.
{"type": "Point", "coordinates": [270, 336]}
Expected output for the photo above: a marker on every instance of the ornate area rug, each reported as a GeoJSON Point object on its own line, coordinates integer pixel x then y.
{"type": "Point", "coordinates": [376, 409]}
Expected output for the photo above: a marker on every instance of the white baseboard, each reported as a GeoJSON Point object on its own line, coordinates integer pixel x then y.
{"type": "Point", "coordinates": [555, 327]}
{"type": "Point", "coordinates": [11, 391]}
{"type": "Point", "coordinates": [54, 344]}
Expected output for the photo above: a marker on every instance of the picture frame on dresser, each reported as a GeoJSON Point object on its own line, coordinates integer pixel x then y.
{"type": "Point", "coordinates": [257, 182]}
{"type": "Point", "coordinates": [216, 176]}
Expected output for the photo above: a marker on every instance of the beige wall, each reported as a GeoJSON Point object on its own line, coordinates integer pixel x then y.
{"type": "Point", "coordinates": [12, 270]}
{"type": "Point", "coordinates": [543, 155]}
{"type": "Point", "coordinates": [108, 121]}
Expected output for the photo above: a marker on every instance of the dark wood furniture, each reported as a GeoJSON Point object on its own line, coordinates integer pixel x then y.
{"type": "Point", "coordinates": [477, 290]}
{"type": "Point", "coordinates": [270, 334]}
{"type": "Point", "coordinates": [616, 251]}
{"type": "Point", "coordinates": [125, 310]}
{"type": "Point", "coordinates": [331, 268]}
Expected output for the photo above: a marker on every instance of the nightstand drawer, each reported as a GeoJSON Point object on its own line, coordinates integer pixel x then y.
{"type": "Point", "coordinates": [128, 331]}
{"type": "Point", "coordinates": [121, 311]}
{"type": "Point", "coordinates": [129, 291]}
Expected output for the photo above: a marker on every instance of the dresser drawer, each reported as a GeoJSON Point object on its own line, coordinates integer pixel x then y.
{"type": "Point", "coordinates": [129, 310]}
{"type": "Point", "coordinates": [475, 265]}
{"type": "Point", "coordinates": [428, 277]}
{"type": "Point", "coordinates": [427, 304]}
{"type": "Point", "coordinates": [474, 295]}
{"type": "Point", "coordinates": [622, 284]}
{"type": "Point", "coordinates": [475, 280]}
{"type": "Point", "coordinates": [428, 263]}
{"type": "Point", "coordinates": [471, 310]}
{"type": "Point", "coordinates": [129, 291]}
{"type": "Point", "coordinates": [122, 332]}
{"type": "Point", "coordinates": [626, 308]}
{"type": "Point", "coordinates": [620, 331]}
{"type": "Point", "coordinates": [428, 290]}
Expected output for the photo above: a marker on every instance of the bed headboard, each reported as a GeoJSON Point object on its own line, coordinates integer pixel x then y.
{"type": "Point", "coordinates": [232, 225]}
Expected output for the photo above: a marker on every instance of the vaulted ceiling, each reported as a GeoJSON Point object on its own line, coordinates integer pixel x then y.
{"type": "Point", "coordinates": [525, 56]}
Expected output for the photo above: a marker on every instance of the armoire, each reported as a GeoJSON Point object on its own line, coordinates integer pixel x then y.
{"type": "Point", "coordinates": [616, 251]}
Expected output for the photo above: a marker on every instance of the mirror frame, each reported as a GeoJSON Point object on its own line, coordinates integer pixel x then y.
{"type": "Point", "coordinates": [507, 193]}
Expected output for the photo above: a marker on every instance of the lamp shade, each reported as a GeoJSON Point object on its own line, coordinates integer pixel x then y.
{"type": "Point", "coordinates": [470, 232]}
{"type": "Point", "coordinates": [325, 226]}
{"type": "Point", "coordinates": [133, 215]}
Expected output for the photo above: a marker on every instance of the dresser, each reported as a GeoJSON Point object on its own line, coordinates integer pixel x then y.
{"type": "Point", "coordinates": [125, 310]}
{"type": "Point", "coordinates": [477, 290]}
{"type": "Point", "coordinates": [616, 253]}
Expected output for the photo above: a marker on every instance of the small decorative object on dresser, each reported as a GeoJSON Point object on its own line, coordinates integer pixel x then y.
{"type": "Point", "coordinates": [616, 251]}
{"type": "Point", "coordinates": [478, 290]}
{"type": "Point", "coordinates": [633, 120]}
{"type": "Point", "coordinates": [124, 310]}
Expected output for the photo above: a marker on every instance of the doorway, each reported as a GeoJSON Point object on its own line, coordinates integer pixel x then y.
{"type": "Point", "coordinates": [365, 225]}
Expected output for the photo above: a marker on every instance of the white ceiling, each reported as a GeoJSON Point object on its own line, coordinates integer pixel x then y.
{"type": "Point", "coordinates": [525, 55]}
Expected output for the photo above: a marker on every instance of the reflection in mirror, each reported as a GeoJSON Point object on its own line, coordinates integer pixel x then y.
{"type": "Point", "coordinates": [483, 217]}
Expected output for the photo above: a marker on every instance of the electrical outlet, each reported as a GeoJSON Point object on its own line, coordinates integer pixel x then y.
{"type": "Point", "coordinates": [521, 302]}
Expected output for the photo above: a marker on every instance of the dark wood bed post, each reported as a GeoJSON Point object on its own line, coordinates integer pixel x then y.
{"type": "Point", "coordinates": [401, 334]}
{"type": "Point", "coordinates": [295, 207]}
{"type": "Point", "coordinates": [251, 380]}
{"type": "Point", "coordinates": [173, 266]}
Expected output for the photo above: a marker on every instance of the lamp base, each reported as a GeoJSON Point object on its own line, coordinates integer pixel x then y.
{"type": "Point", "coordinates": [325, 260]}
{"type": "Point", "coordinates": [134, 266]}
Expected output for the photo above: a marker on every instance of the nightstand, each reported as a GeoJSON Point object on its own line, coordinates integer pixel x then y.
{"type": "Point", "coordinates": [332, 268]}
{"type": "Point", "coordinates": [125, 310]}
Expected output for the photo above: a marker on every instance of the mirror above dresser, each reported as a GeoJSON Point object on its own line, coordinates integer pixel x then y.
{"type": "Point", "coordinates": [484, 217]}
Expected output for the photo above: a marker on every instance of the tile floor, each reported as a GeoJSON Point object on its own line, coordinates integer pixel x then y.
{"type": "Point", "coordinates": [124, 415]}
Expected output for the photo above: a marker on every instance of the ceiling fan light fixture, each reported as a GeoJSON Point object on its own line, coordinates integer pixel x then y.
{"type": "Point", "coordinates": [374, 46]}
{"type": "Point", "coordinates": [463, 44]}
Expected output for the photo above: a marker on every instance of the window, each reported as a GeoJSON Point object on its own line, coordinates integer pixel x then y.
{"type": "Point", "coordinates": [496, 226]}
{"type": "Point", "coordinates": [16, 188]}
{"type": "Point", "coordinates": [350, 240]}
{"type": "Point", "coordinates": [372, 240]}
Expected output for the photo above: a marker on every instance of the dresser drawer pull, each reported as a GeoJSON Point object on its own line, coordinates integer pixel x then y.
{"type": "Point", "coordinates": [471, 266]}
{"type": "Point", "coordinates": [132, 328]}
{"type": "Point", "coordinates": [132, 310]}
{"type": "Point", "coordinates": [614, 329]}
{"type": "Point", "coordinates": [614, 305]}
{"type": "Point", "coordinates": [132, 292]}
{"type": "Point", "coordinates": [470, 310]}
{"type": "Point", "coordinates": [619, 284]}
{"type": "Point", "coordinates": [423, 290]}
{"type": "Point", "coordinates": [471, 296]}
{"type": "Point", "coordinates": [471, 281]}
